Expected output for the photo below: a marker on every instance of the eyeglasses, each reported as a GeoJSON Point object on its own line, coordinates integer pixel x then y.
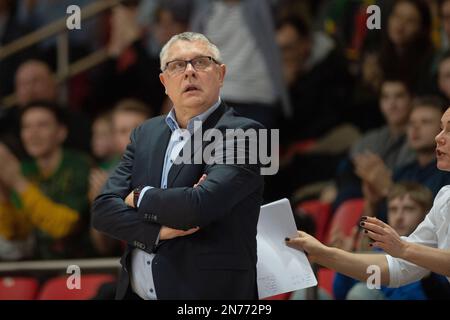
{"type": "Point", "coordinates": [199, 64]}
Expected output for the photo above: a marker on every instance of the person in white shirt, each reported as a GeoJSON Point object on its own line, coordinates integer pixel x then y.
{"type": "Point", "coordinates": [409, 258]}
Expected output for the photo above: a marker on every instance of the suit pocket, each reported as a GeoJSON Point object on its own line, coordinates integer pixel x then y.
{"type": "Point", "coordinates": [222, 261]}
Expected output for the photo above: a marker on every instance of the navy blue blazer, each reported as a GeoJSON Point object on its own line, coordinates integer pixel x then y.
{"type": "Point", "coordinates": [216, 262]}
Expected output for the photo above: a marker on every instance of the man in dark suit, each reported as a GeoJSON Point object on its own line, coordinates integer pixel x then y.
{"type": "Point", "coordinates": [190, 227]}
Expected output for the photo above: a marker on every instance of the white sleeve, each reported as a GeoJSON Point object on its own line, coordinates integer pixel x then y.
{"type": "Point", "coordinates": [141, 195]}
{"type": "Point", "coordinates": [402, 272]}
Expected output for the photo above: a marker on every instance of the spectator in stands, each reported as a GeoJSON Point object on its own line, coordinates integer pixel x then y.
{"type": "Point", "coordinates": [127, 115]}
{"type": "Point", "coordinates": [131, 71]}
{"type": "Point", "coordinates": [104, 151]}
{"type": "Point", "coordinates": [408, 203]}
{"type": "Point", "coordinates": [48, 193]}
{"type": "Point", "coordinates": [102, 142]}
{"type": "Point", "coordinates": [444, 9]}
{"type": "Point", "coordinates": [363, 109]}
{"type": "Point", "coordinates": [443, 75]}
{"type": "Point", "coordinates": [444, 15]}
{"type": "Point", "coordinates": [245, 33]}
{"type": "Point", "coordinates": [408, 259]}
{"type": "Point", "coordinates": [35, 81]}
{"type": "Point", "coordinates": [406, 48]}
{"type": "Point", "coordinates": [170, 17]}
{"type": "Point", "coordinates": [388, 142]}
{"type": "Point", "coordinates": [312, 65]}
{"type": "Point", "coordinates": [377, 179]}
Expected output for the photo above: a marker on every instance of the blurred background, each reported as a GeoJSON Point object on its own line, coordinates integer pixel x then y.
{"type": "Point", "coordinates": [357, 110]}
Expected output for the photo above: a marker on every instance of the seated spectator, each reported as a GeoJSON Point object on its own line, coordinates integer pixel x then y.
{"type": "Point", "coordinates": [388, 142]}
{"type": "Point", "coordinates": [35, 81]}
{"type": "Point", "coordinates": [127, 115]}
{"type": "Point", "coordinates": [131, 71]}
{"type": "Point", "coordinates": [408, 203]}
{"type": "Point", "coordinates": [102, 142]}
{"type": "Point", "coordinates": [363, 109]}
{"type": "Point", "coordinates": [406, 48]}
{"type": "Point", "coordinates": [312, 65]}
{"type": "Point", "coordinates": [45, 195]}
{"type": "Point", "coordinates": [424, 125]}
{"type": "Point", "coordinates": [443, 76]}
{"type": "Point", "coordinates": [104, 152]}
{"type": "Point", "coordinates": [245, 33]}
{"type": "Point", "coordinates": [444, 10]}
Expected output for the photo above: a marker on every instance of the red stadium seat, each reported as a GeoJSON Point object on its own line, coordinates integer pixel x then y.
{"type": "Point", "coordinates": [18, 288]}
{"type": "Point", "coordinates": [325, 278]}
{"type": "Point", "coordinates": [281, 296]}
{"type": "Point", "coordinates": [56, 288]}
{"type": "Point", "coordinates": [347, 215]}
{"type": "Point", "coordinates": [320, 212]}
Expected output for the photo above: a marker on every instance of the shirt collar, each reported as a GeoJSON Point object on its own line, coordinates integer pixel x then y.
{"type": "Point", "coordinates": [173, 124]}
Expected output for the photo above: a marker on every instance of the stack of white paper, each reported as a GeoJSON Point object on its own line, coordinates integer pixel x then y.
{"type": "Point", "coordinates": [280, 269]}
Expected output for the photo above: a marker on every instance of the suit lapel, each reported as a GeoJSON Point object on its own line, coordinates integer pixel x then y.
{"type": "Point", "coordinates": [156, 157]}
{"type": "Point", "coordinates": [210, 122]}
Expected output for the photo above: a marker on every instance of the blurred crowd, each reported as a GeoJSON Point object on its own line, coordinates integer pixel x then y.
{"type": "Point", "coordinates": [358, 111]}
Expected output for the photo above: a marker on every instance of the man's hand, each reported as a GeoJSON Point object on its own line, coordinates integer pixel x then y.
{"type": "Point", "coordinates": [202, 178]}
{"type": "Point", "coordinates": [129, 200]}
{"type": "Point", "coordinates": [167, 233]}
{"type": "Point", "coordinates": [10, 174]}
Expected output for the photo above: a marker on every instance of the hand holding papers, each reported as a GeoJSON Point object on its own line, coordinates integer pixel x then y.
{"type": "Point", "coordinates": [280, 269]}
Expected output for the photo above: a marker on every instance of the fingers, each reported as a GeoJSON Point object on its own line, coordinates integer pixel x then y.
{"type": "Point", "coordinates": [373, 227]}
{"type": "Point", "coordinates": [202, 178]}
{"type": "Point", "coordinates": [296, 243]}
{"type": "Point", "coordinates": [190, 231]}
{"type": "Point", "coordinates": [167, 233]}
{"type": "Point", "coordinates": [375, 221]}
{"type": "Point", "coordinates": [374, 236]}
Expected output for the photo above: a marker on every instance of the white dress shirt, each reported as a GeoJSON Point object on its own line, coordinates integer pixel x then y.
{"type": "Point", "coordinates": [434, 232]}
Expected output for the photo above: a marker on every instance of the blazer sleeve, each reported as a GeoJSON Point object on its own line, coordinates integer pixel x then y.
{"type": "Point", "coordinates": [112, 216]}
{"type": "Point", "coordinates": [226, 186]}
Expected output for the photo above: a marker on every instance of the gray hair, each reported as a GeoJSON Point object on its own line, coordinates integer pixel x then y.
{"type": "Point", "coordinates": [188, 36]}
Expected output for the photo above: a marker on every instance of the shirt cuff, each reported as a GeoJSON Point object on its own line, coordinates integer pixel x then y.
{"type": "Point", "coordinates": [393, 268]}
{"type": "Point", "coordinates": [141, 195]}
{"type": "Point", "coordinates": [157, 239]}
